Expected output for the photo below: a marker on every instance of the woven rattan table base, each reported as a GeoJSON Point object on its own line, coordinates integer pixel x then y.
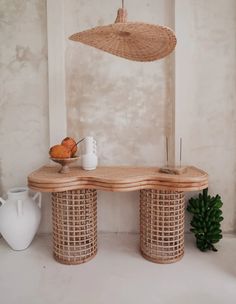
{"type": "Point", "coordinates": [74, 215]}
{"type": "Point", "coordinates": [162, 225]}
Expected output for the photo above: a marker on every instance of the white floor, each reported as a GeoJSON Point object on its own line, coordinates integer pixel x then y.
{"type": "Point", "coordinates": [118, 275]}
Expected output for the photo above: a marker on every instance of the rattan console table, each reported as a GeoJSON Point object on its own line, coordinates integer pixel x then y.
{"type": "Point", "coordinates": [74, 208]}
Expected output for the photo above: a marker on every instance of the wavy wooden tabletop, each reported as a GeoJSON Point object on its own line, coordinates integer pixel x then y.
{"type": "Point", "coordinates": [122, 179]}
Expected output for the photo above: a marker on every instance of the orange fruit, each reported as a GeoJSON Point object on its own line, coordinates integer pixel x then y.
{"type": "Point", "coordinates": [70, 143]}
{"type": "Point", "coordinates": [60, 151]}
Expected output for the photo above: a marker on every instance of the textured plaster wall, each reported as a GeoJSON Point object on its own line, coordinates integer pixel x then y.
{"type": "Point", "coordinates": [125, 105]}
{"type": "Point", "coordinates": [206, 94]}
{"type": "Point", "coordinates": [23, 94]}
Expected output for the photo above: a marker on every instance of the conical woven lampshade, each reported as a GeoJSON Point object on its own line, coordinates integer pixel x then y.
{"type": "Point", "coordinates": [131, 40]}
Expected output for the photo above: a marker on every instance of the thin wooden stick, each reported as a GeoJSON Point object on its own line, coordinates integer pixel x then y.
{"type": "Point", "coordinates": [80, 141]}
{"type": "Point", "coordinates": [77, 143]}
{"type": "Point", "coordinates": [123, 4]}
{"type": "Point", "coordinates": [180, 152]}
{"type": "Point", "coordinates": [167, 151]}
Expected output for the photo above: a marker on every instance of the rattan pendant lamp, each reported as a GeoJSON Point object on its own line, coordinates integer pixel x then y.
{"type": "Point", "coordinates": [135, 41]}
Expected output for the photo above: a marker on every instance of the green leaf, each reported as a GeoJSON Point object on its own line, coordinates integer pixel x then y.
{"type": "Point", "coordinates": [218, 204]}
{"type": "Point", "coordinates": [205, 191]}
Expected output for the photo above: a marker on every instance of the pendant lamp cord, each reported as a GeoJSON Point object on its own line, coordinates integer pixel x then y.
{"type": "Point", "coordinates": [123, 4]}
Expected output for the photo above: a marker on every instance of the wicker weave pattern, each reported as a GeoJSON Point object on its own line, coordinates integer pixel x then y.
{"type": "Point", "coordinates": [133, 41]}
{"type": "Point", "coordinates": [74, 215]}
{"type": "Point", "coordinates": [162, 225]}
{"type": "Point", "coordinates": [137, 41]}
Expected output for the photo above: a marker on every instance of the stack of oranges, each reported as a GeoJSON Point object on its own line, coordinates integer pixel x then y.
{"type": "Point", "coordinates": [66, 149]}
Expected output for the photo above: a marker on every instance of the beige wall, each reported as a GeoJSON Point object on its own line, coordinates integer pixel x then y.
{"type": "Point", "coordinates": [126, 106]}
{"type": "Point", "coordinates": [206, 94]}
{"type": "Point", "coordinates": [24, 92]}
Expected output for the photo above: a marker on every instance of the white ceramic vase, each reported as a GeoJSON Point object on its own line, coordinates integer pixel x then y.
{"type": "Point", "coordinates": [20, 217]}
{"type": "Point", "coordinates": [89, 161]}
{"type": "Point", "coordinates": [89, 158]}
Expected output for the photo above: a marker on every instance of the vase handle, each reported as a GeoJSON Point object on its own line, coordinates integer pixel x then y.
{"type": "Point", "coordinates": [2, 201]}
{"type": "Point", "coordinates": [38, 196]}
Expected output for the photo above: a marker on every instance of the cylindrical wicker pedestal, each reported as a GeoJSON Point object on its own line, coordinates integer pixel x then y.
{"type": "Point", "coordinates": [74, 215]}
{"type": "Point", "coordinates": [162, 225]}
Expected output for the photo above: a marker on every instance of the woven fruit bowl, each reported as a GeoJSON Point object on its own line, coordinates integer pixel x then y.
{"type": "Point", "coordinates": [65, 162]}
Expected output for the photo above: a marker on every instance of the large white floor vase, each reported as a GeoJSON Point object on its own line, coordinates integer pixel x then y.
{"type": "Point", "coordinates": [20, 217]}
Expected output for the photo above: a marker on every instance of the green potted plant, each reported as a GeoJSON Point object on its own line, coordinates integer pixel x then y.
{"type": "Point", "coordinates": [206, 220]}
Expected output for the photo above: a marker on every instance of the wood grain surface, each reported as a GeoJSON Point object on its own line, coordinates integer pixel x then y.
{"type": "Point", "coordinates": [120, 179]}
